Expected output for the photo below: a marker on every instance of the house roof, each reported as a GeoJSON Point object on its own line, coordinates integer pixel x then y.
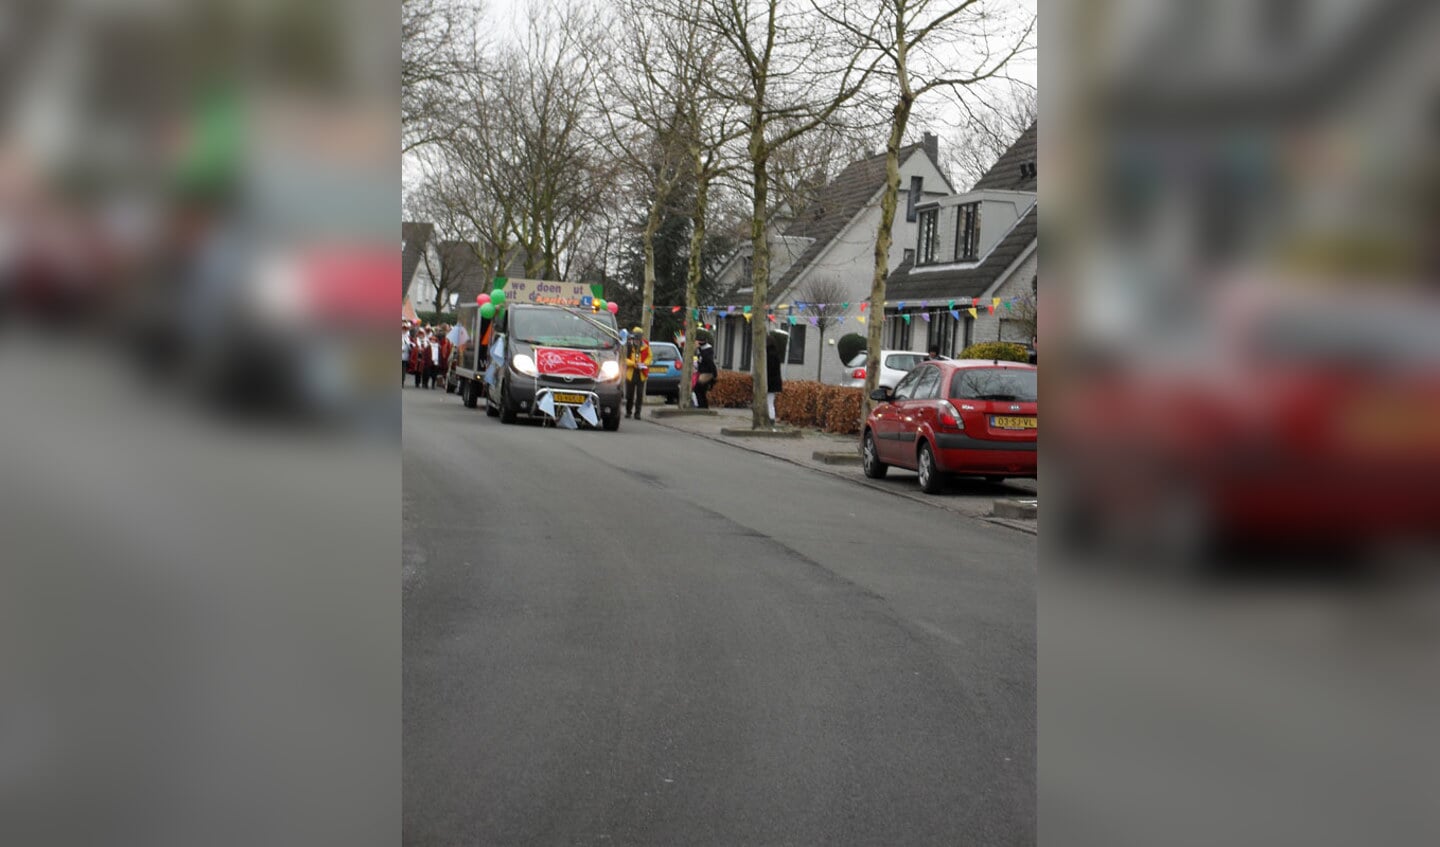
{"type": "Point", "coordinates": [414, 236]}
{"type": "Point", "coordinates": [472, 276]}
{"type": "Point", "coordinates": [835, 206]}
{"type": "Point", "coordinates": [467, 276]}
{"type": "Point", "coordinates": [906, 283]}
{"type": "Point", "coordinates": [1007, 174]}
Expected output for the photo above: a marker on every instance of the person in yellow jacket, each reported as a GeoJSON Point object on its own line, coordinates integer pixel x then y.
{"type": "Point", "coordinates": [637, 370]}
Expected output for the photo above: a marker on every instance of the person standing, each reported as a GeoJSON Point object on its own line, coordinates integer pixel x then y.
{"type": "Point", "coordinates": [446, 347]}
{"type": "Point", "coordinates": [705, 373]}
{"type": "Point", "coordinates": [432, 359]}
{"type": "Point", "coordinates": [774, 384]}
{"type": "Point", "coordinates": [637, 370]}
{"type": "Point", "coordinates": [418, 355]}
{"type": "Point", "coordinates": [405, 344]}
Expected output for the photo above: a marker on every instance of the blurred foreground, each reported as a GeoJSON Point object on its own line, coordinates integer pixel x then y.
{"type": "Point", "coordinates": [199, 473]}
{"type": "Point", "coordinates": [1239, 629]}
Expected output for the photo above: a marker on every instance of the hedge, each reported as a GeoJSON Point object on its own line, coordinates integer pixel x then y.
{"type": "Point", "coordinates": [803, 403]}
{"type": "Point", "coordinates": [812, 404]}
{"type": "Point", "coordinates": [1002, 350]}
{"type": "Point", "coordinates": [732, 390]}
{"type": "Point", "coordinates": [437, 318]}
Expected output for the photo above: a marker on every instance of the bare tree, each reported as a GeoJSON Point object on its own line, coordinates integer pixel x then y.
{"type": "Point", "coordinates": [647, 91]}
{"type": "Point", "coordinates": [529, 143]}
{"type": "Point", "coordinates": [988, 126]}
{"type": "Point", "coordinates": [794, 76]}
{"type": "Point", "coordinates": [821, 302]}
{"type": "Point", "coordinates": [917, 41]}
{"type": "Point", "coordinates": [438, 46]}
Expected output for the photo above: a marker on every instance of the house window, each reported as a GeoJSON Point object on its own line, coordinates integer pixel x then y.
{"type": "Point", "coordinates": [729, 361]}
{"type": "Point", "coordinates": [745, 340]}
{"type": "Point", "coordinates": [747, 266]}
{"type": "Point", "coordinates": [942, 334]}
{"type": "Point", "coordinates": [967, 232]}
{"type": "Point", "coordinates": [909, 257]}
{"type": "Point", "coordinates": [917, 184]}
{"type": "Point", "coordinates": [899, 333]}
{"type": "Point", "coordinates": [926, 243]}
{"type": "Point", "coordinates": [795, 350]}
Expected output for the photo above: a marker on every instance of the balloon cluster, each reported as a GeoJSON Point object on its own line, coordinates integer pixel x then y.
{"type": "Point", "coordinates": [490, 302]}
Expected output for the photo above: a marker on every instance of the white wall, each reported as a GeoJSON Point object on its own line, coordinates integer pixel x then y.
{"type": "Point", "coordinates": [849, 260]}
{"type": "Point", "coordinates": [422, 285]}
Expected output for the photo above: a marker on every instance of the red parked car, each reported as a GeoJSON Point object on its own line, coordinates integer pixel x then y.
{"type": "Point", "coordinates": [969, 416]}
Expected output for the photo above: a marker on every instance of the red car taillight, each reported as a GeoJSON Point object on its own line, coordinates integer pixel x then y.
{"type": "Point", "coordinates": [858, 373]}
{"type": "Point", "coordinates": [950, 418]}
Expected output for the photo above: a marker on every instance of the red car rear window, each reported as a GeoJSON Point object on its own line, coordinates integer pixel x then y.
{"type": "Point", "coordinates": [1018, 385]}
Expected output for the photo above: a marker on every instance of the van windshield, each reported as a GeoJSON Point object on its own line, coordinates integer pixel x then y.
{"type": "Point", "coordinates": [558, 327]}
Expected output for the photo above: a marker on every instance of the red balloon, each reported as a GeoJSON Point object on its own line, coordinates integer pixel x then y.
{"type": "Point", "coordinates": [482, 299]}
{"type": "Point", "coordinates": [613, 307]}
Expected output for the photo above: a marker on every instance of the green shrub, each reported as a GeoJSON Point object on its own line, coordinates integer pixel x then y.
{"type": "Point", "coordinates": [849, 346]}
{"type": "Point", "coordinates": [1005, 351]}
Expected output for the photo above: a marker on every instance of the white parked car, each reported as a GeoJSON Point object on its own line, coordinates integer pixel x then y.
{"type": "Point", "coordinates": [894, 364]}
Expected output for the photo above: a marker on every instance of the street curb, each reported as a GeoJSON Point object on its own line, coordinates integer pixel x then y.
{"type": "Point", "coordinates": [861, 481]}
{"type": "Point", "coordinates": [680, 413]}
{"type": "Point", "coordinates": [1015, 509]}
{"type": "Point", "coordinates": [760, 433]}
{"type": "Point", "coordinates": [833, 458]}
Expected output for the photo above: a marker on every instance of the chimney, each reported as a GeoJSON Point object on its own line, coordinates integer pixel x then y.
{"type": "Point", "coordinates": [931, 143]}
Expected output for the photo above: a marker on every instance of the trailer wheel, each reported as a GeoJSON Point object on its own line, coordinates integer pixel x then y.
{"type": "Point", "coordinates": [468, 394]}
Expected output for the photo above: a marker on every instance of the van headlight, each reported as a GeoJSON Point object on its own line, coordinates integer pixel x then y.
{"type": "Point", "coordinates": [610, 371]}
{"type": "Point", "coordinates": [524, 364]}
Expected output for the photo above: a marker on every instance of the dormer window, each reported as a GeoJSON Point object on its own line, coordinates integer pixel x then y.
{"type": "Point", "coordinates": [967, 232]}
{"type": "Point", "coordinates": [926, 244]}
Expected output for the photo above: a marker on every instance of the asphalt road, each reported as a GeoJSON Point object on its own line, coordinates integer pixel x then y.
{"type": "Point", "coordinates": [645, 637]}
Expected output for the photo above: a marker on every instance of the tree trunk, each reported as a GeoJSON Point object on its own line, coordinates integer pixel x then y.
{"type": "Point", "coordinates": [759, 276]}
{"type": "Point", "coordinates": [820, 357]}
{"type": "Point", "coordinates": [883, 239]}
{"type": "Point", "coordinates": [647, 239]}
{"type": "Point", "coordinates": [692, 278]}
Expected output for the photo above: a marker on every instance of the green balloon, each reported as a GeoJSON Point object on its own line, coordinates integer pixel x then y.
{"type": "Point", "coordinates": [497, 296]}
{"type": "Point", "coordinates": [487, 311]}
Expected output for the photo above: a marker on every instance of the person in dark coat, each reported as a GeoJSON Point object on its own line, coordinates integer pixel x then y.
{"type": "Point", "coordinates": [774, 384]}
{"type": "Point", "coordinates": [705, 373]}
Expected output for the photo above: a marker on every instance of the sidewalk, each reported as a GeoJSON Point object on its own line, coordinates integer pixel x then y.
{"type": "Point", "coordinates": [972, 498]}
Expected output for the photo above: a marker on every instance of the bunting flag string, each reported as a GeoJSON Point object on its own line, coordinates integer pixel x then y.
{"type": "Point", "coordinates": [973, 313]}
{"type": "Point", "coordinates": [835, 311]}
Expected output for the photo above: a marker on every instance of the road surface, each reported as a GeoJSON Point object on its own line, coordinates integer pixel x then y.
{"type": "Point", "coordinates": [645, 637]}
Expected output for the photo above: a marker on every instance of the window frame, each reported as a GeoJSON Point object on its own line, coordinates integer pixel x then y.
{"type": "Point", "coordinates": [967, 232]}
{"type": "Point", "coordinates": [906, 382]}
{"type": "Point", "coordinates": [927, 236]}
{"type": "Point", "coordinates": [795, 350]}
{"type": "Point", "coordinates": [917, 189]}
{"type": "Point", "coordinates": [927, 387]}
